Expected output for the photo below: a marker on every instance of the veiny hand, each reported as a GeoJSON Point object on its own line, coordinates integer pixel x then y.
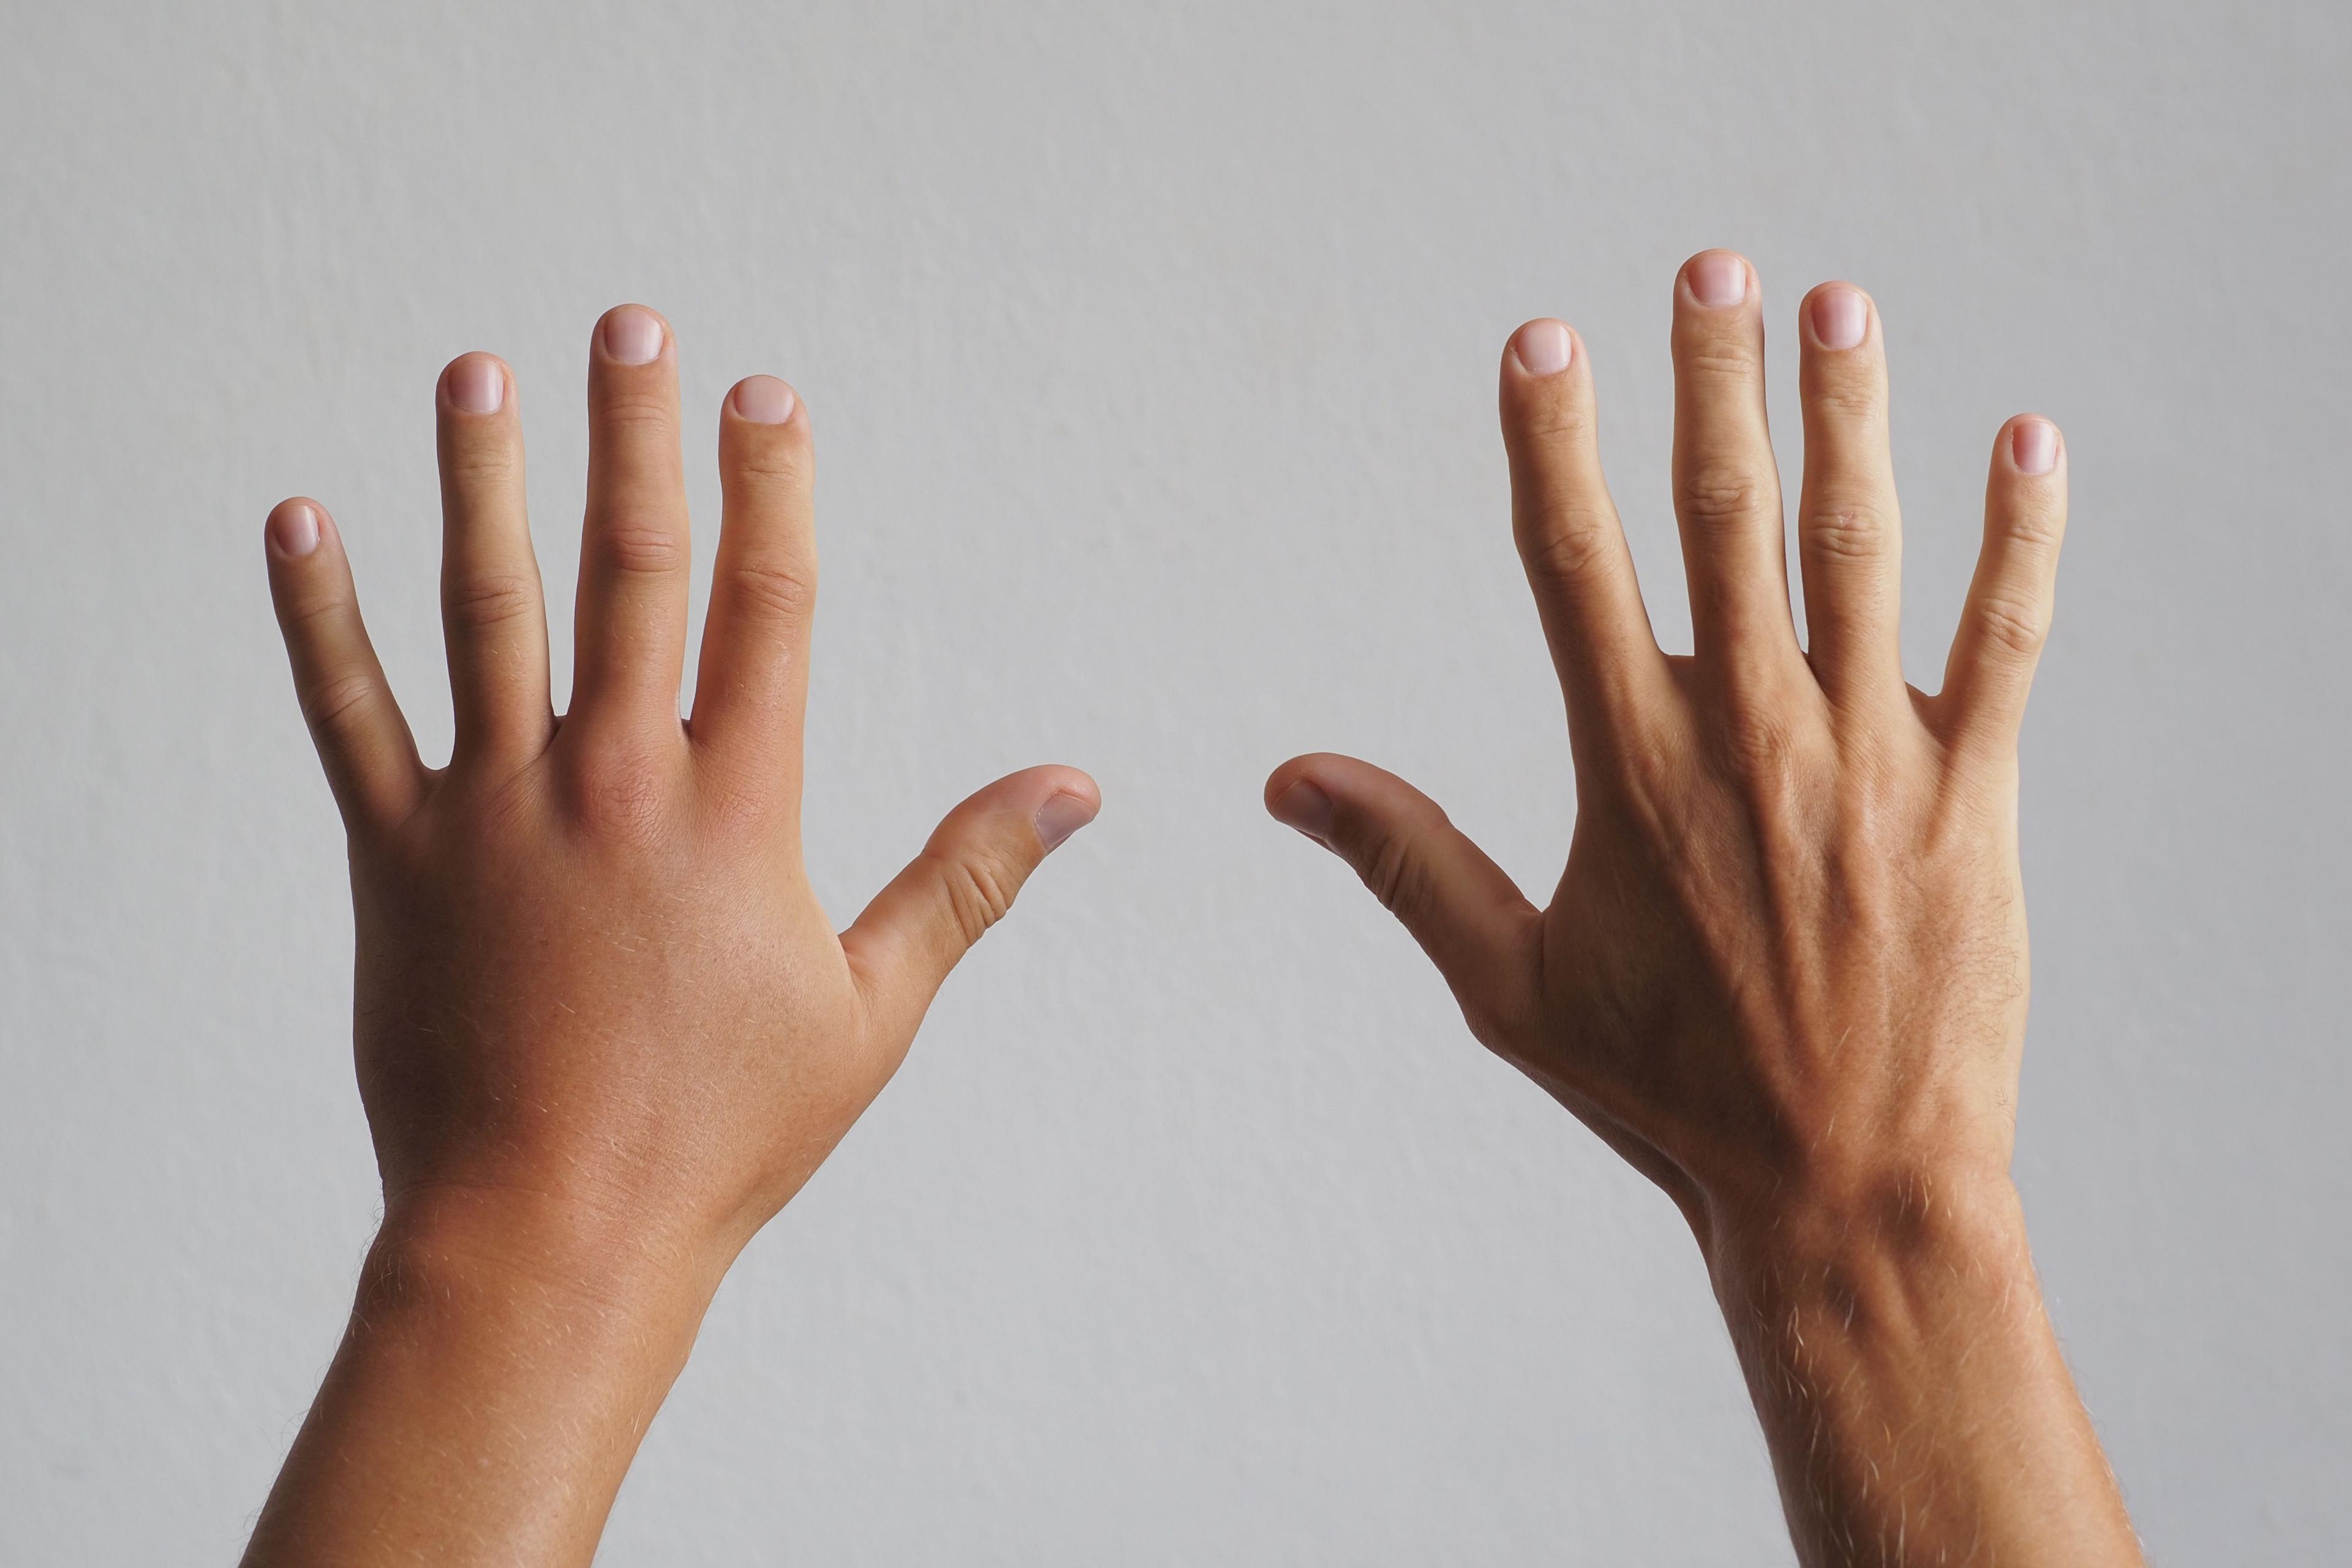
{"type": "Point", "coordinates": [1784, 973]}
{"type": "Point", "coordinates": [604, 1029]}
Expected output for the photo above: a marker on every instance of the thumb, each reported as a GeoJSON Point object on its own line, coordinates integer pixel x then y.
{"type": "Point", "coordinates": [906, 940]}
{"type": "Point", "coordinates": [1464, 910]}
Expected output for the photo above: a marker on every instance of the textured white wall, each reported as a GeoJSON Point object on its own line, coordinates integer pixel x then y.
{"type": "Point", "coordinates": [1151, 353]}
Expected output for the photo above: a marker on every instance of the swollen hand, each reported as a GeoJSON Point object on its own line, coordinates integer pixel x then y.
{"type": "Point", "coordinates": [594, 988]}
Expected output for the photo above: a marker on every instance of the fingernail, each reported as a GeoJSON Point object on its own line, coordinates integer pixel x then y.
{"type": "Point", "coordinates": [1058, 817]}
{"type": "Point", "coordinates": [1840, 318]}
{"type": "Point", "coordinates": [1305, 807]}
{"type": "Point", "coordinates": [1718, 279]}
{"type": "Point", "coordinates": [1543, 348]}
{"type": "Point", "coordinates": [477, 385]}
{"type": "Point", "coordinates": [633, 335]}
{"type": "Point", "coordinates": [294, 531]}
{"type": "Point", "coordinates": [2033, 446]}
{"type": "Point", "coordinates": [764, 400]}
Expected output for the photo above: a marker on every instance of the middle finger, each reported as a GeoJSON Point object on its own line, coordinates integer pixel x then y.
{"type": "Point", "coordinates": [1726, 488]}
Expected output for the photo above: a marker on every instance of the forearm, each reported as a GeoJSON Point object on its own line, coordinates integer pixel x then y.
{"type": "Point", "coordinates": [1910, 1387]}
{"type": "Point", "coordinates": [497, 1377]}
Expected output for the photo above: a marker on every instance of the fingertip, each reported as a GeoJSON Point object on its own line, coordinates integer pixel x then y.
{"type": "Point", "coordinates": [1064, 813]}
{"type": "Point", "coordinates": [475, 383]}
{"type": "Point", "coordinates": [762, 400]}
{"type": "Point", "coordinates": [294, 528]}
{"type": "Point", "coordinates": [1075, 782]}
{"type": "Point", "coordinates": [1837, 316]}
{"type": "Point", "coordinates": [2032, 444]}
{"type": "Point", "coordinates": [1305, 807]}
{"type": "Point", "coordinates": [1279, 781]}
{"type": "Point", "coordinates": [1046, 781]}
{"type": "Point", "coordinates": [632, 335]}
{"type": "Point", "coordinates": [1717, 280]}
{"type": "Point", "coordinates": [1541, 348]}
{"type": "Point", "coordinates": [1051, 796]}
{"type": "Point", "coordinates": [1302, 795]}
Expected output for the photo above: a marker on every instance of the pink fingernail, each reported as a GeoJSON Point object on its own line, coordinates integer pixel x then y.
{"type": "Point", "coordinates": [294, 531]}
{"type": "Point", "coordinates": [477, 385]}
{"type": "Point", "coordinates": [764, 400]}
{"type": "Point", "coordinates": [1717, 278]}
{"type": "Point", "coordinates": [633, 335]}
{"type": "Point", "coordinates": [1060, 816]}
{"type": "Point", "coordinates": [1840, 317]}
{"type": "Point", "coordinates": [1544, 348]}
{"type": "Point", "coordinates": [2033, 446]}
{"type": "Point", "coordinates": [1305, 807]}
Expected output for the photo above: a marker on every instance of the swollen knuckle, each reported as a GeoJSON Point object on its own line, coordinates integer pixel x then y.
{"type": "Point", "coordinates": [639, 549]}
{"type": "Point", "coordinates": [770, 592]}
{"type": "Point", "coordinates": [736, 800]}
{"type": "Point", "coordinates": [618, 794]}
{"type": "Point", "coordinates": [1847, 532]}
{"type": "Point", "coordinates": [1719, 494]}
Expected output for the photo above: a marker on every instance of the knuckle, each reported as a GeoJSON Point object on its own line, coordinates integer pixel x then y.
{"type": "Point", "coordinates": [640, 549]}
{"type": "Point", "coordinates": [1758, 740]}
{"type": "Point", "coordinates": [636, 412]}
{"type": "Point", "coordinates": [618, 793]}
{"type": "Point", "coordinates": [769, 593]}
{"type": "Point", "coordinates": [1846, 399]}
{"type": "Point", "coordinates": [486, 601]}
{"type": "Point", "coordinates": [334, 702]}
{"type": "Point", "coordinates": [1847, 532]}
{"type": "Point", "coordinates": [1714, 359]}
{"type": "Point", "coordinates": [780, 461]}
{"type": "Point", "coordinates": [1568, 553]}
{"type": "Point", "coordinates": [2012, 625]}
{"type": "Point", "coordinates": [480, 463]}
{"type": "Point", "coordinates": [1555, 419]}
{"type": "Point", "coordinates": [977, 887]}
{"type": "Point", "coordinates": [301, 617]}
{"type": "Point", "coordinates": [1498, 1018]}
{"type": "Point", "coordinates": [2036, 528]}
{"type": "Point", "coordinates": [1721, 494]}
{"type": "Point", "coordinates": [1397, 876]}
{"type": "Point", "coordinates": [737, 799]}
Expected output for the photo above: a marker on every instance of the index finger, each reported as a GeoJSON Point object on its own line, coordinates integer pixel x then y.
{"type": "Point", "coordinates": [1568, 536]}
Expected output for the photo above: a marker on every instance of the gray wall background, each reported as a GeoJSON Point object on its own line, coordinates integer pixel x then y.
{"type": "Point", "coordinates": [1151, 350]}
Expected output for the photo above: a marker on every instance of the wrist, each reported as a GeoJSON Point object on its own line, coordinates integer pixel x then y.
{"type": "Point", "coordinates": [1883, 1258]}
{"type": "Point", "coordinates": [505, 1354]}
{"type": "Point", "coordinates": [572, 1261]}
{"type": "Point", "coordinates": [1894, 1344]}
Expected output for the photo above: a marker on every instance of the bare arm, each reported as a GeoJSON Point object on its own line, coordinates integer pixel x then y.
{"type": "Point", "coordinates": [1784, 973]}
{"type": "Point", "coordinates": [603, 1031]}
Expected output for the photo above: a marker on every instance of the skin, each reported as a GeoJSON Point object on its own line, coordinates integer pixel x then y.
{"type": "Point", "coordinates": [603, 1031]}
{"type": "Point", "coordinates": [1784, 973]}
